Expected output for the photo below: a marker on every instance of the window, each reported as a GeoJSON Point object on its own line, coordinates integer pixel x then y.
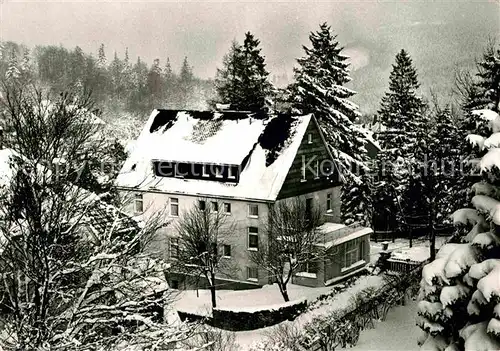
{"type": "Point", "coordinates": [174, 247]}
{"type": "Point", "coordinates": [215, 206]}
{"type": "Point", "coordinates": [353, 252]}
{"type": "Point", "coordinates": [311, 266]}
{"type": "Point", "coordinates": [253, 210]}
{"type": "Point", "coordinates": [202, 205]}
{"type": "Point", "coordinates": [329, 202]}
{"type": "Point", "coordinates": [230, 173]}
{"type": "Point", "coordinates": [253, 238]}
{"type": "Point", "coordinates": [218, 171]}
{"type": "Point", "coordinates": [227, 208]}
{"type": "Point", "coordinates": [174, 206]}
{"type": "Point", "coordinates": [252, 273]}
{"type": "Point", "coordinates": [204, 171]}
{"type": "Point", "coordinates": [227, 250]}
{"type": "Point", "coordinates": [138, 203]}
{"type": "Point", "coordinates": [309, 138]}
{"type": "Point", "coordinates": [303, 169]}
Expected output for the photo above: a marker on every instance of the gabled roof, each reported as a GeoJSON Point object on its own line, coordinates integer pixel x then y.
{"type": "Point", "coordinates": [264, 145]}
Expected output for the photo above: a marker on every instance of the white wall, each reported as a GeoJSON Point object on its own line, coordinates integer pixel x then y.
{"type": "Point", "coordinates": [239, 220]}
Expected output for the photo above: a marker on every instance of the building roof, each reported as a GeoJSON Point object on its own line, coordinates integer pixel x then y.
{"type": "Point", "coordinates": [263, 145]}
{"type": "Point", "coordinates": [335, 234]}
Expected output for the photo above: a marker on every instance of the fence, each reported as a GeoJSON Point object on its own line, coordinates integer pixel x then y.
{"type": "Point", "coordinates": [403, 266]}
{"type": "Point", "coordinates": [344, 330]}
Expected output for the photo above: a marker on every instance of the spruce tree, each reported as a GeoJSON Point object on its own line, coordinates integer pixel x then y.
{"type": "Point", "coordinates": [404, 144]}
{"type": "Point", "coordinates": [484, 91]}
{"type": "Point", "coordinates": [319, 88]}
{"type": "Point", "coordinates": [186, 85]}
{"type": "Point", "coordinates": [115, 72]}
{"type": "Point", "coordinates": [155, 83]}
{"type": "Point", "coordinates": [101, 57]}
{"type": "Point", "coordinates": [243, 81]}
{"type": "Point", "coordinates": [13, 73]}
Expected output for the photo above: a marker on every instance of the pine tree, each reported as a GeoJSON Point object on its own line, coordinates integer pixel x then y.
{"type": "Point", "coordinates": [13, 73]}
{"type": "Point", "coordinates": [185, 85]}
{"type": "Point", "coordinates": [484, 89]}
{"type": "Point", "coordinates": [101, 57]}
{"type": "Point", "coordinates": [319, 89]}
{"type": "Point", "coordinates": [115, 72]}
{"type": "Point", "coordinates": [404, 145]}
{"type": "Point", "coordinates": [243, 81]}
{"type": "Point", "coordinates": [26, 68]}
{"type": "Point", "coordinates": [444, 151]}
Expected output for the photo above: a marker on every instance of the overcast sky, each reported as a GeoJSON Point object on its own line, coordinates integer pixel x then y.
{"type": "Point", "coordinates": [372, 32]}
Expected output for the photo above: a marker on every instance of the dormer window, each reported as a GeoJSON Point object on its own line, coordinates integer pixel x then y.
{"type": "Point", "coordinates": [204, 171]}
{"type": "Point", "coordinates": [230, 173]}
{"type": "Point", "coordinates": [218, 172]}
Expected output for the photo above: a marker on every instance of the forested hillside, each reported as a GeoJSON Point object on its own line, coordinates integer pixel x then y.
{"type": "Point", "coordinates": [121, 86]}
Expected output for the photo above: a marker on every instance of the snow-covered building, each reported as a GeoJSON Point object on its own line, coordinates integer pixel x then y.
{"type": "Point", "coordinates": [243, 162]}
{"type": "Point", "coordinates": [345, 251]}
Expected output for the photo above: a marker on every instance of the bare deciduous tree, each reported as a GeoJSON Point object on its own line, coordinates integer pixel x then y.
{"type": "Point", "coordinates": [64, 284]}
{"type": "Point", "coordinates": [202, 233]}
{"type": "Point", "coordinates": [291, 238]}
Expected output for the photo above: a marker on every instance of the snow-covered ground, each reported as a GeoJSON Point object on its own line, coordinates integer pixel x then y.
{"type": "Point", "coordinates": [398, 332]}
{"type": "Point", "coordinates": [400, 322]}
{"type": "Point", "coordinates": [246, 339]}
{"type": "Point", "coordinates": [401, 249]}
{"type": "Point", "coordinates": [191, 301]}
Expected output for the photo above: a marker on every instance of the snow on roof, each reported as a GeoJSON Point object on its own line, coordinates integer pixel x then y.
{"type": "Point", "coordinates": [337, 234]}
{"type": "Point", "coordinates": [211, 137]}
{"type": "Point", "coordinates": [490, 160]}
{"type": "Point", "coordinates": [190, 139]}
{"type": "Point", "coordinates": [369, 136]}
{"type": "Point", "coordinates": [330, 227]}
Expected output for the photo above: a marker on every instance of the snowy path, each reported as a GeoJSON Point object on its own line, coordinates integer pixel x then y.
{"type": "Point", "coordinates": [398, 332]}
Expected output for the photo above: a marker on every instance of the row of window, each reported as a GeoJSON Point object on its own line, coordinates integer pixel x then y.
{"type": "Point", "coordinates": [174, 249]}
{"type": "Point", "coordinates": [252, 244]}
{"type": "Point", "coordinates": [253, 209]}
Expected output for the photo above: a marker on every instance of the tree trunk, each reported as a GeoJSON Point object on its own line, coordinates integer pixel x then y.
{"type": "Point", "coordinates": [432, 233]}
{"type": "Point", "coordinates": [283, 291]}
{"type": "Point", "coordinates": [211, 280]}
{"type": "Point", "coordinates": [212, 290]}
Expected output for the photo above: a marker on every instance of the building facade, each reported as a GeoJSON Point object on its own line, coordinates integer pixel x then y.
{"type": "Point", "coordinates": [234, 162]}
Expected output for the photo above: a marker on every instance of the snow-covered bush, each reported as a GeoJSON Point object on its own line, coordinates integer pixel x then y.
{"type": "Point", "coordinates": [460, 289]}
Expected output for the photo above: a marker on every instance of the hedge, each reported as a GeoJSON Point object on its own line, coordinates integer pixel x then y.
{"type": "Point", "coordinates": [248, 318]}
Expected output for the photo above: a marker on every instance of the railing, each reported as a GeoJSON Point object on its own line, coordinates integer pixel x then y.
{"type": "Point", "coordinates": [402, 266]}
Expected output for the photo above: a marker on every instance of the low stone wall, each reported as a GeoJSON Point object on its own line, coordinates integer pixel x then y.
{"type": "Point", "coordinates": [249, 318]}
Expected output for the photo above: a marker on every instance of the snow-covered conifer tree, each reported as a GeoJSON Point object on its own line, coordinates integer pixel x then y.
{"type": "Point", "coordinates": [319, 88]}
{"type": "Point", "coordinates": [13, 71]}
{"type": "Point", "coordinates": [243, 81]}
{"type": "Point", "coordinates": [460, 290]}
{"type": "Point", "coordinates": [402, 141]}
